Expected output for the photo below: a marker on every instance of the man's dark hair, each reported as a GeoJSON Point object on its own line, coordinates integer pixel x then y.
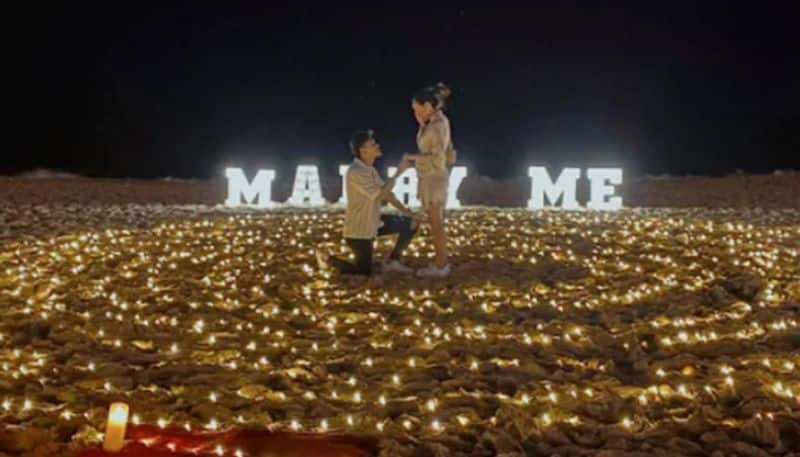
{"type": "Point", "coordinates": [358, 139]}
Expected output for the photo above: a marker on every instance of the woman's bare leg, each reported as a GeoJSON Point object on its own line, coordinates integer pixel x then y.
{"type": "Point", "coordinates": [436, 217]}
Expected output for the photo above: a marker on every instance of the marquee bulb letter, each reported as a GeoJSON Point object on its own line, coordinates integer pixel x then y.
{"type": "Point", "coordinates": [260, 188]}
{"type": "Point", "coordinates": [306, 187]}
{"type": "Point", "coordinates": [343, 173]}
{"type": "Point", "coordinates": [406, 185]}
{"type": "Point", "coordinates": [600, 178]}
{"type": "Point", "coordinates": [456, 176]}
{"type": "Point", "coordinates": [564, 187]}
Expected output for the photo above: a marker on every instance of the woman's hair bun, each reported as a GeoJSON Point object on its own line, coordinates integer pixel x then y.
{"type": "Point", "coordinates": [437, 95]}
{"type": "Point", "coordinates": [442, 92]}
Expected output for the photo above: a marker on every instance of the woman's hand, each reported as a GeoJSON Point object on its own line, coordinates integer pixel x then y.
{"type": "Point", "coordinates": [409, 157]}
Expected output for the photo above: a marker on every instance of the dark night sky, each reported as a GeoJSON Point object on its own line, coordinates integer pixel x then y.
{"type": "Point", "coordinates": [121, 89]}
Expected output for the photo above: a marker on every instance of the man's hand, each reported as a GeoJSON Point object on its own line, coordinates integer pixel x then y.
{"type": "Point", "coordinates": [417, 218]}
{"type": "Point", "coordinates": [415, 215]}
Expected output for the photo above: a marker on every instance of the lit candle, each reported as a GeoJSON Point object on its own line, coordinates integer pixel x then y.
{"type": "Point", "coordinates": [115, 427]}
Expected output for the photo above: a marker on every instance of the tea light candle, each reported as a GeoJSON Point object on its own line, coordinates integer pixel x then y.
{"type": "Point", "coordinates": [115, 427]}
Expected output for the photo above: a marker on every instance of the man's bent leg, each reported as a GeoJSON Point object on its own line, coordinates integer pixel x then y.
{"type": "Point", "coordinates": [342, 266]}
{"type": "Point", "coordinates": [363, 252]}
{"type": "Point", "coordinates": [401, 225]}
{"type": "Point", "coordinates": [362, 249]}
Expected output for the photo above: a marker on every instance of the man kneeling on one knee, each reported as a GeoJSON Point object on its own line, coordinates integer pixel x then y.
{"type": "Point", "coordinates": [363, 222]}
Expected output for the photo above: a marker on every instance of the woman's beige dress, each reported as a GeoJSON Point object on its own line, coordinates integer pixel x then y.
{"type": "Point", "coordinates": [433, 142]}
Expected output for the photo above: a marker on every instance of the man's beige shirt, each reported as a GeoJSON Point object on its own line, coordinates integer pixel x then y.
{"type": "Point", "coordinates": [363, 216]}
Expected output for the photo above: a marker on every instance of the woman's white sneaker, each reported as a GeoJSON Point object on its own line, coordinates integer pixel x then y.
{"type": "Point", "coordinates": [432, 271]}
{"type": "Point", "coordinates": [396, 266]}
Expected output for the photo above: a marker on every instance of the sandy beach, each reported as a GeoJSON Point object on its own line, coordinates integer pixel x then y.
{"type": "Point", "coordinates": [668, 328]}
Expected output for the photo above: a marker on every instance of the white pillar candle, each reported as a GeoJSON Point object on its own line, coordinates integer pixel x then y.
{"type": "Point", "coordinates": [115, 427]}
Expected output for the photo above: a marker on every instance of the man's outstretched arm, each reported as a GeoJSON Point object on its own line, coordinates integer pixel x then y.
{"type": "Point", "coordinates": [386, 190]}
{"type": "Point", "coordinates": [392, 200]}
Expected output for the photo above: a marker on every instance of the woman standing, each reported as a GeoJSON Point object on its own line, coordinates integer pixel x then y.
{"type": "Point", "coordinates": [435, 154]}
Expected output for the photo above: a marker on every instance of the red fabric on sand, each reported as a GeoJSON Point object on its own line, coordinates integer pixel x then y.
{"type": "Point", "coordinates": [151, 441]}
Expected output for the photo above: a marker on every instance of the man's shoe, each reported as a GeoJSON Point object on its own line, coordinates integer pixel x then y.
{"type": "Point", "coordinates": [396, 266]}
{"type": "Point", "coordinates": [432, 271]}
